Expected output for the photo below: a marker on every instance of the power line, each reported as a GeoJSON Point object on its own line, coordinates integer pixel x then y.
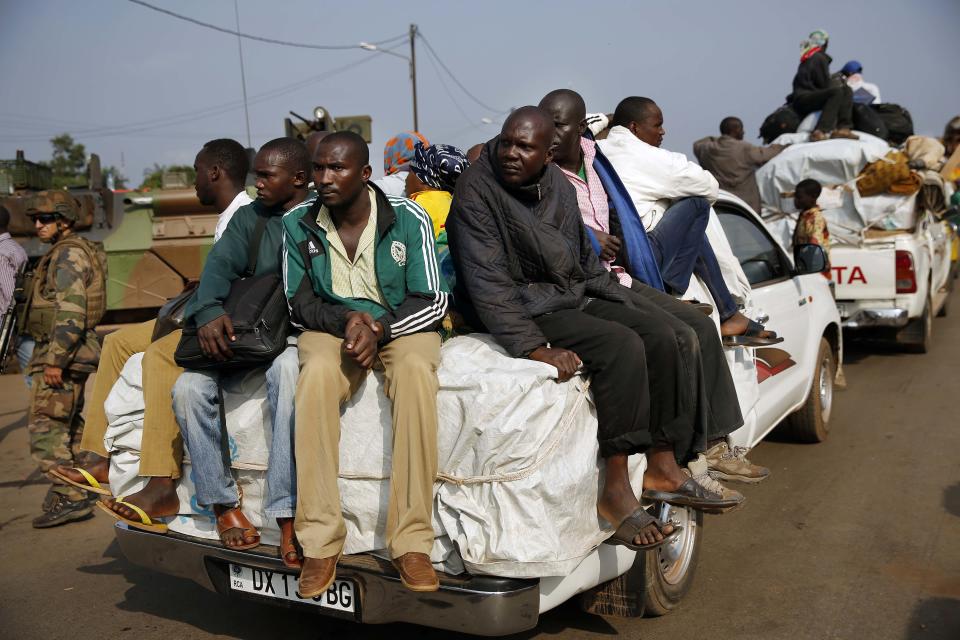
{"type": "Point", "coordinates": [286, 43]}
{"type": "Point", "coordinates": [443, 83]}
{"type": "Point", "coordinates": [454, 77]}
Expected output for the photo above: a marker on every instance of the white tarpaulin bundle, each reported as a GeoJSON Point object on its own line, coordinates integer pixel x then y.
{"type": "Point", "coordinates": [835, 164]}
{"type": "Point", "coordinates": [519, 467]}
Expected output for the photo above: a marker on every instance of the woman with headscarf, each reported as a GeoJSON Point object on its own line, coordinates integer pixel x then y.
{"type": "Point", "coordinates": [397, 155]}
{"type": "Point", "coordinates": [432, 178]}
{"type": "Point", "coordinates": [813, 89]}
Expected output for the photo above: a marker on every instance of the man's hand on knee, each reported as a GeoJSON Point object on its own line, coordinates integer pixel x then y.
{"type": "Point", "coordinates": [53, 377]}
{"type": "Point", "coordinates": [215, 338]}
{"type": "Point", "coordinates": [566, 362]}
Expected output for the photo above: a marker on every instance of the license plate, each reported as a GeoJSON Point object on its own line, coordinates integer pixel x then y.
{"type": "Point", "coordinates": [842, 310]}
{"type": "Point", "coordinates": [272, 584]}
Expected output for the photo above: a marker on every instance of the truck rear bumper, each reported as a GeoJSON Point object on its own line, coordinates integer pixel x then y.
{"type": "Point", "coordinates": [481, 605]}
{"type": "Point", "coordinates": [869, 318]}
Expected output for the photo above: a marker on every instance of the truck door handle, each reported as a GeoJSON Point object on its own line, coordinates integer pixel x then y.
{"type": "Point", "coordinates": [801, 302]}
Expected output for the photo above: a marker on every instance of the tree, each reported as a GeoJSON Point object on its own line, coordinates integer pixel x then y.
{"type": "Point", "coordinates": [153, 177]}
{"type": "Point", "coordinates": [68, 162]}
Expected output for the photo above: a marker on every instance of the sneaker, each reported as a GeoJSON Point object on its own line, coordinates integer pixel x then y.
{"type": "Point", "coordinates": [62, 510]}
{"type": "Point", "coordinates": [733, 465]}
{"type": "Point", "coordinates": [699, 470]}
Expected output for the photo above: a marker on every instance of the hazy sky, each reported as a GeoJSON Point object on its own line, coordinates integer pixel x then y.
{"type": "Point", "coordinates": [140, 87]}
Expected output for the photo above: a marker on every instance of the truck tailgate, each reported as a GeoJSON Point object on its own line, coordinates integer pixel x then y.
{"type": "Point", "coordinates": [864, 273]}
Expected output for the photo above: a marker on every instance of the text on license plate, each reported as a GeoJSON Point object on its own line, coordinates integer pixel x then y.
{"type": "Point", "coordinates": [272, 584]}
{"type": "Point", "coordinates": [842, 310]}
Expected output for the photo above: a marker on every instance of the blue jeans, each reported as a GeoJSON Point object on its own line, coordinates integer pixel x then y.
{"type": "Point", "coordinates": [681, 247]}
{"type": "Point", "coordinates": [25, 345]}
{"type": "Point", "coordinates": [196, 404]}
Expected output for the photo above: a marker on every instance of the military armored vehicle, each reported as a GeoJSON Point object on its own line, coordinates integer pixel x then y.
{"type": "Point", "coordinates": [323, 121]}
{"type": "Point", "coordinates": [156, 240]}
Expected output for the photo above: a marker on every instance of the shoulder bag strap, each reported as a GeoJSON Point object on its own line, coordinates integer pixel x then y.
{"type": "Point", "coordinates": [253, 251]}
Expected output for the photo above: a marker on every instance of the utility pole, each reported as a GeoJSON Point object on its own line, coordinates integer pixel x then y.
{"type": "Point", "coordinates": [413, 72]}
{"type": "Point", "coordinates": [243, 76]}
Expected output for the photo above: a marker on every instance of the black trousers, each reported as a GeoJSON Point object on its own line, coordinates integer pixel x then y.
{"type": "Point", "coordinates": [648, 378]}
{"type": "Point", "coordinates": [836, 103]}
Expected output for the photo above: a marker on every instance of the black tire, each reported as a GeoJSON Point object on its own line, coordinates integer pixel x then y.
{"type": "Point", "coordinates": [917, 337]}
{"type": "Point", "coordinates": [811, 422]}
{"type": "Point", "coordinates": [669, 569]}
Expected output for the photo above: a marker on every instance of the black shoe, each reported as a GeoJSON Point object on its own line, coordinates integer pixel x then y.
{"type": "Point", "coordinates": [62, 511]}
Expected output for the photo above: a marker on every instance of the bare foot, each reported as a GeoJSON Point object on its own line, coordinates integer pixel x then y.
{"type": "Point", "coordinates": [737, 324]}
{"type": "Point", "coordinates": [97, 466]}
{"type": "Point", "coordinates": [618, 502]}
{"type": "Point", "coordinates": [159, 499]}
{"type": "Point", "coordinates": [288, 544]}
{"type": "Point", "coordinates": [243, 534]}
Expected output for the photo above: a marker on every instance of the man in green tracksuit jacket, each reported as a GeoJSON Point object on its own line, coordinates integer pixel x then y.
{"type": "Point", "coordinates": [361, 277]}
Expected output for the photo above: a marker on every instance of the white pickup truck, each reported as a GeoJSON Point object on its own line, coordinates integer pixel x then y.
{"type": "Point", "coordinates": [894, 282]}
{"type": "Point", "coordinates": [793, 382]}
{"type": "Point", "coordinates": [890, 255]}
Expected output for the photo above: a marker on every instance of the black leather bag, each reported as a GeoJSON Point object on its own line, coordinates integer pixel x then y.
{"type": "Point", "coordinates": [257, 307]}
{"type": "Point", "coordinates": [170, 316]}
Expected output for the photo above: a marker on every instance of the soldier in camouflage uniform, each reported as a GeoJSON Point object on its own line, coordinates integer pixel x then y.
{"type": "Point", "coordinates": [68, 299]}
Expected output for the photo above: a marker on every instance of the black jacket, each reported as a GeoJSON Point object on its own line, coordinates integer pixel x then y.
{"type": "Point", "coordinates": [521, 253]}
{"type": "Point", "coordinates": [812, 74]}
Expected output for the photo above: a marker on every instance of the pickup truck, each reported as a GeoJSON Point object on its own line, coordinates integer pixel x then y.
{"type": "Point", "coordinates": [893, 283]}
{"type": "Point", "coordinates": [792, 384]}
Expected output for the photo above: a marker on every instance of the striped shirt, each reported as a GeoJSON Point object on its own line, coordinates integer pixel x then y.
{"type": "Point", "coordinates": [353, 278]}
{"type": "Point", "coordinates": [12, 258]}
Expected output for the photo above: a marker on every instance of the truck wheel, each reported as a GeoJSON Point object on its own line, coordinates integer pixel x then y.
{"type": "Point", "coordinates": [811, 422]}
{"type": "Point", "coordinates": [917, 337]}
{"type": "Point", "coordinates": [669, 569]}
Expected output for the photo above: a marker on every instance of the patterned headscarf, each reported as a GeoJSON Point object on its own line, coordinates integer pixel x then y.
{"type": "Point", "coordinates": [814, 42]}
{"type": "Point", "coordinates": [438, 165]}
{"type": "Point", "coordinates": [398, 151]}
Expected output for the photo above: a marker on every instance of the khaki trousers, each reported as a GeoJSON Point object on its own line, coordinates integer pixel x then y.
{"type": "Point", "coordinates": [161, 447]}
{"type": "Point", "coordinates": [327, 380]}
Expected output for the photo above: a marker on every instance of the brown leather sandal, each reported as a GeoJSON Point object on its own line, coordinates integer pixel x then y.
{"type": "Point", "coordinates": [289, 549]}
{"type": "Point", "coordinates": [234, 519]}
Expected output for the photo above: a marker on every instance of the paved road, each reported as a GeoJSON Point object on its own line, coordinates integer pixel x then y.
{"type": "Point", "coordinates": [858, 537]}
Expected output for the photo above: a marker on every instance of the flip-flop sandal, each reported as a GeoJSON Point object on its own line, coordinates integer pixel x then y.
{"type": "Point", "coordinates": [694, 495]}
{"type": "Point", "coordinates": [144, 524]}
{"type": "Point", "coordinates": [93, 485]}
{"type": "Point", "coordinates": [288, 550]}
{"type": "Point", "coordinates": [751, 337]}
{"type": "Point", "coordinates": [234, 519]}
{"type": "Point", "coordinates": [636, 522]}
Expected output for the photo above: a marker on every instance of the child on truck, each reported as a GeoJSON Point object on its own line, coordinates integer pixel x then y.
{"type": "Point", "coordinates": [811, 225]}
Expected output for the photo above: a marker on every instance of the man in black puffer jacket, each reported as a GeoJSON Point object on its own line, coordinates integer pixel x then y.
{"type": "Point", "coordinates": [526, 272]}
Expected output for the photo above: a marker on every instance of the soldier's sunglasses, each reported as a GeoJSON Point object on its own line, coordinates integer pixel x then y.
{"type": "Point", "coordinates": [47, 218]}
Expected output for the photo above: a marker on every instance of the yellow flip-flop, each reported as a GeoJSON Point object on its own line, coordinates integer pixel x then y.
{"type": "Point", "coordinates": [93, 485]}
{"type": "Point", "coordinates": [145, 523]}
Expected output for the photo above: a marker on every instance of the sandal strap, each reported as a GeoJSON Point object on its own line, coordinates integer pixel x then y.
{"type": "Point", "coordinates": [234, 519]}
{"type": "Point", "coordinates": [88, 477]}
{"type": "Point", "coordinates": [637, 521]}
{"type": "Point", "coordinates": [144, 518]}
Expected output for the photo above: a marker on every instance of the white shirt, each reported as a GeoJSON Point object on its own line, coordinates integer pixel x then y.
{"type": "Point", "coordinates": [855, 82]}
{"type": "Point", "coordinates": [394, 184]}
{"type": "Point", "coordinates": [655, 176]}
{"type": "Point", "coordinates": [241, 200]}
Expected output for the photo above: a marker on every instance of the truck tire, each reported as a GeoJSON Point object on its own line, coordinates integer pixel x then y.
{"type": "Point", "coordinates": [669, 569]}
{"type": "Point", "coordinates": [811, 422]}
{"type": "Point", "coordinates": [917, 337]}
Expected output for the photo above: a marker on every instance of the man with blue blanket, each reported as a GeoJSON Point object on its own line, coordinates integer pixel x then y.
{"type": "Point", "coordinates": [624, 249]}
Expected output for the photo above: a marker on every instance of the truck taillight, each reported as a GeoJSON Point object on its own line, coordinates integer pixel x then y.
{"type": "Point", "coordinates": [906, 275]}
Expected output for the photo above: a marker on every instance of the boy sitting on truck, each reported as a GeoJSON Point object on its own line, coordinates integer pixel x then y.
{"type": "Point", "coordinates": [362, 280]}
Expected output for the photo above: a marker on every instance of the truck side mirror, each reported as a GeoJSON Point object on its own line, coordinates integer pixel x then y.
{"type": "Point", "coordinates": [809, 258]}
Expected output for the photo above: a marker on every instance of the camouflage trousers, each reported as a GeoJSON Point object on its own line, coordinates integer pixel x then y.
{"type": "Point", "coordinates": [56, 426]}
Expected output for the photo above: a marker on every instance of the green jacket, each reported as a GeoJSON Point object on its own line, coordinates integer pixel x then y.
{"type": "Point", "coordinates": [405, 260]}
{"type": "Point", "coordinates": [227, 260]}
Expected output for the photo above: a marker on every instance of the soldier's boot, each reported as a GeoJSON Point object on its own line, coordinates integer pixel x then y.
{"type": "Point", "coordinates": [63, 510]}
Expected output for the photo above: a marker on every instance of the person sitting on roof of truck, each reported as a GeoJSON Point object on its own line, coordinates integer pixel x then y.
{"type": "Point", "coordinates": [733, 161]}
{"type": "Point", "coordinates": [813, 89]}
{"type": "Point", "coordinates": [603, 201]}
{"type": "Point", "coordinates": [863, 92]}
{"type": "Point", "coordinates": [362, 280]}
{"type": "Point", "coordinates": [221, 169]}
{"type": "Point", "coordinates": [526, 272]}
{"type": "Point", "coordinates": [672, 196]}
{"type": "Point", "coordinates": [282, 168]}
